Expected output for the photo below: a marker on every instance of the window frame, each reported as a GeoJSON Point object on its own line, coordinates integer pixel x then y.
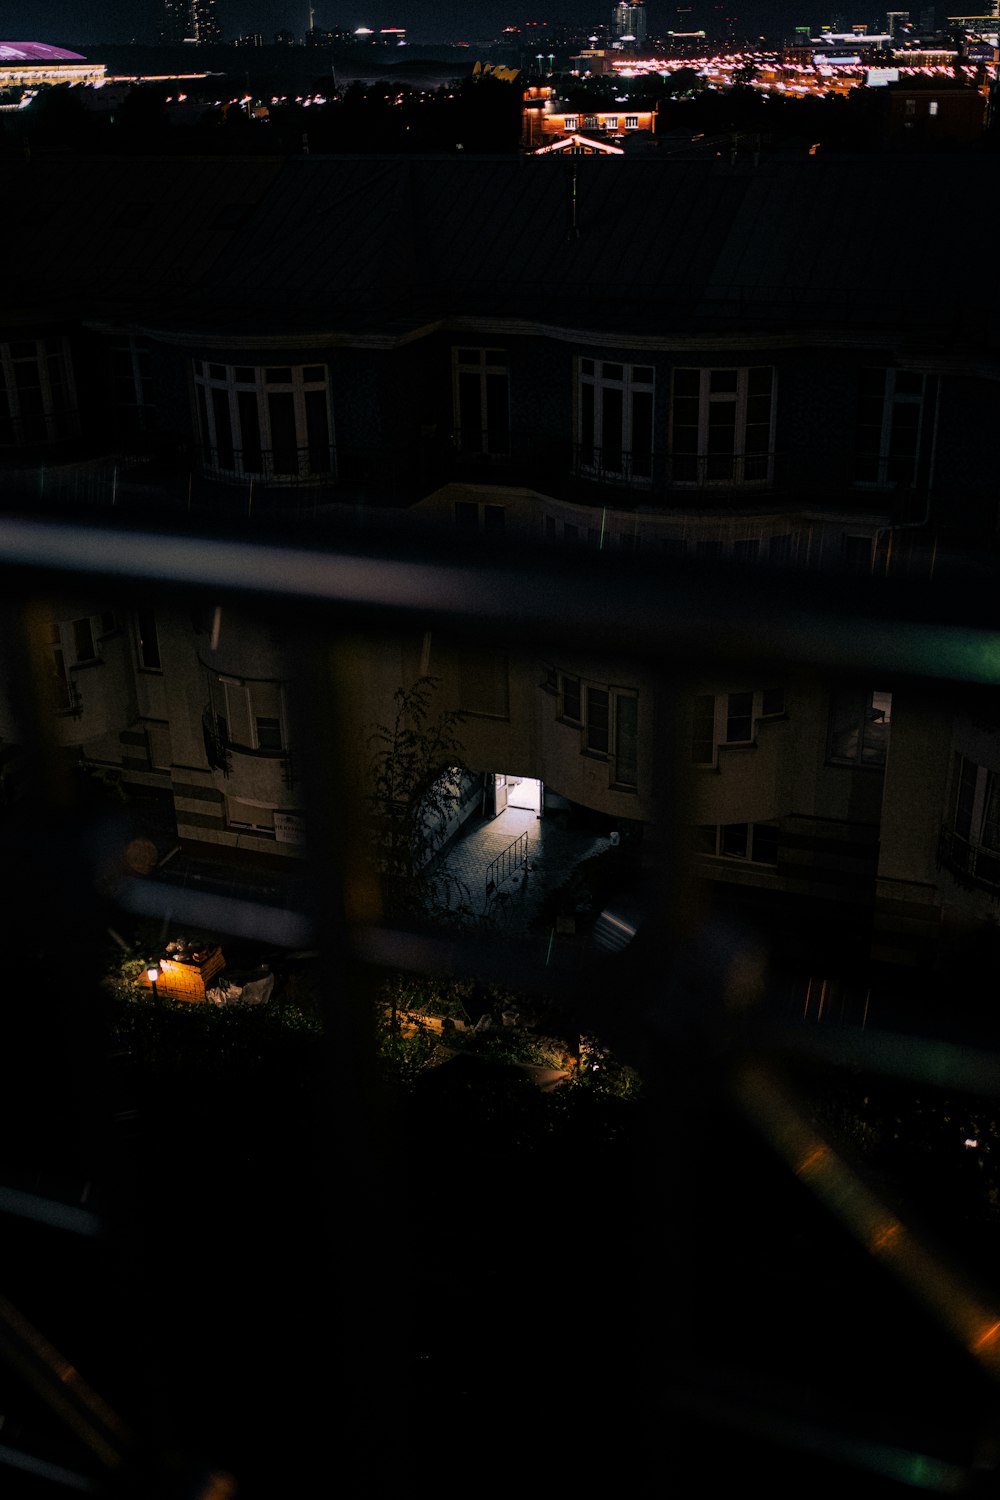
{"type": "Point", "coordinates": [493, 437]}
{"type": "Point", "coordinates": [256, 459]}
{"type": "Point", "coordinates": [703, 466]}
{"type": "Point", "coordinates": [888, 469]}
{"type": "Point", "coordinates": [225, 691]}
{"type": "Point", "coordinates": [863, 707]}
{"type": "Point", "coordinates": [57, 418]}
{"type": "Point", "coordinates": [596, 457]}
{"type": "Point", "coordinates": [143, 637]}
{"type": "Point", "coordinates": [724, 716]}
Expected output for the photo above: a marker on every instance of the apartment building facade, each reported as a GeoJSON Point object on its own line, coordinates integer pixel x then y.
{"type": "Point", "coordinates": [712, 391]}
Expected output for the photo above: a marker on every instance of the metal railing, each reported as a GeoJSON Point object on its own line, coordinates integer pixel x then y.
{"type": "Point", "coordinates": [506, 865]}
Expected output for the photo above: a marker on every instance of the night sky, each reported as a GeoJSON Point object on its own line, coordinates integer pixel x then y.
{"type": "Point", "coordinates": [63, 22]}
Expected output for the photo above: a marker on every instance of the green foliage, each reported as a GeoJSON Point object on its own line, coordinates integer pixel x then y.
{"type": "Point", "coordinates": [415, 776]}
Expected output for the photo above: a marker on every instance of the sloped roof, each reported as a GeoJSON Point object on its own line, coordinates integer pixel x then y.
{"type": "Point", "coordinates": [111, 232]}
{"type": "Point", "coordinates": [368, 244]}
{"type": "Point", "coordinates": [29, 52]}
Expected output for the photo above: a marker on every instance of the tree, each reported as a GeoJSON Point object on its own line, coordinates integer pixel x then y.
{"type": "Point", "coordinates": [415, 774]}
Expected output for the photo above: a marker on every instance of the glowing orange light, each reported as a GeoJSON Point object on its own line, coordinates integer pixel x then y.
{"type": "Point", "coordinates": [988, 1337]}
{"type": "Point", "coordinates": [812, 1159]}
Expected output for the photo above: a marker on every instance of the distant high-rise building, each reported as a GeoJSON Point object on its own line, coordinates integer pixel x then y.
{"type": "Point", "coordinates": [629, 20]}
{"type": "Point", "coordinates": [190, 21]}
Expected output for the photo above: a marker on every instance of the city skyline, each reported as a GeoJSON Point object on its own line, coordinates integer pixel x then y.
{"type": "Point", "coordinates": [65, 22]}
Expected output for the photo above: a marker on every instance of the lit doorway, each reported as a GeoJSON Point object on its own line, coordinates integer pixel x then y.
{"type": "Point", "coordinates": [524, 791]}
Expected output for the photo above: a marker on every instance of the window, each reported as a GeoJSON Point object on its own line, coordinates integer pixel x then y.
{"type": "Point", "coordinates": [932, 107]}
{"type": "Point", "coordinates": [631, 122]}
{"type": "Point", "coordinates": [739, 718]}
{"type": "Point", "coordinates": [973, 848]}
{"type": "Point", "coordinates": [249, 716]}
{"type": "Point", "coordinates": [859, 727]}
{"type": "Point", "coordinates": [731, 719]}
{"type": "Point", "coordinates": [756, 842]}
{"type": "Point", "coordinates": [890, 416]}
{"type": "Point", "coordinates": [147, 641]}
{"type": "Point", "coordinates": [473, 515]}
{"type": "Point", "coordinates": [611, 122]}
{"type": "Point", "coordinates": [133, 392]}
{"type": "Point", "coordinates": [609, 720]}
{"type": "Point", "coordinates": [722, 426]}
{"type": "Point", "coordinates": [550, 682]}
{"type": "Point", "coordinates": [572, 700]}
{"type": "Point", "coordinates": [626, 739]}
{"type": "Point", "coordinates": [571, 122]}
{"type": "Point", "coordinates": [481, 401]}
{"type": "Point", "coordinates": [83, 641]}
{"type": "Point", "coordinates": [734, 840]}
{"type": "Point", "coordinates": [271, 423]}
{"type": "Point", "coordinates": [37, 395]}
{"type": "Point", "coordinates": [615, 420]}
{"type": "Point", "coordinates": [597, 731]}
{"type": "Point", "coordinates": [590, 122]}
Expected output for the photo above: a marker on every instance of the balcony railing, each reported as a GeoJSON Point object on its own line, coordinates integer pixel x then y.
{"type": "Point", "coordinates": [310, 464]}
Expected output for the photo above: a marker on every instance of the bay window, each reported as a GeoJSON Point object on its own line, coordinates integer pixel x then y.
{"type": "Point", "coordinates": [37, 394]}
{"type": "Point", "coordinates": [268, 422]}
{"type": "Point", "coordinates": [722, 425]}
{"type": "Point", "coordinates": [615, 419]}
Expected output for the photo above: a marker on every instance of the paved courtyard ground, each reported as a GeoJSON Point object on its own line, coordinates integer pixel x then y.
{"type": "Point", "coordinates": [553, 851]}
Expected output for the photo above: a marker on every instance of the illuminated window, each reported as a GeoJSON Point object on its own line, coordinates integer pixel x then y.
{"type": "Point", "coordinates": [859, 727]}
{"type": "Point", "coordinates": [722, 426]}
{"type": "Point", "coordinates": [889, 430]}
{"type": "Point", "coordinates": [611, 122]}
{"type": "Point", "coordinates": [571, 122]}
{"type": "Point", "coordinates": [932, 107]}
{"type": "Point", "coordinates": [267, 422]}
{"type": "Point", "coordinates": [37, 394]}
{"type": "Point", "coordinates": [590, 122]}
{"type": "Point", "coordinates": [615, 420]}
{"type": "Point", "coordinates": [481, 401]}
{"type": "Point", "coordinates": [631, 122]}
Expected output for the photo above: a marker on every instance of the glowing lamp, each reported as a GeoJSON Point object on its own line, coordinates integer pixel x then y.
{"type": "Point", "coordinates": [153, 973]}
